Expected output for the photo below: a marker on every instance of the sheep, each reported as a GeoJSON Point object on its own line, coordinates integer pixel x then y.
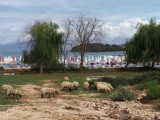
{"type": "Point", "coordinates": [103, 87]}
{"type": "Point", "coordinates": [88, 79]}
{"type": "Point", "coordinates": [109, 85]}
{"type": "Point", "coordinates": [66, 78]}
{"type": "Point", "coordinates": [86, 85]}
{"type": "Point", "coordinates": [49, 91]}
{"type": "Point", "coordinates": [66, 85]}
{"type": "Point", "coordinates": [5, 87]}
{"type": "Point", "coordinates": [75, 84]}
{"type": "Point", "coordinates": [12, 92]}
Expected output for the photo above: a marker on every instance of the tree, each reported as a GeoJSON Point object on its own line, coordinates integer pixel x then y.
{"type": "Point", "coordinates": [66, 36]}
{"type": "Point", "coordinates": [44, 44]}
{"type": "Point", "coordinates": [85, 30]}
{"type": "Point", "coordinates": [145, 44]}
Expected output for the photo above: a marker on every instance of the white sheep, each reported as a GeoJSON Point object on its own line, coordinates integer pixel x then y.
{"type": "Point", "coordinates": [75, 84]}
{"type": "Point", "coordinates": [12, 92]}
{"type": "Point", "coordinates": [109, 85]}
{"type": "Point", "coordinates": [5, 87]}
{"type": "Point", "coordinates": [86, 85]}
{"type": "Point", "coordinates": [49, 91]}
{"type": "Point", "coordinates": [66, 85]}
{"type": "Point", "coordinates": [88, 79]}
{"type": "Point", "coordinates": [66, 78]}
{"type": "Point", "coordinates": [103, 87]}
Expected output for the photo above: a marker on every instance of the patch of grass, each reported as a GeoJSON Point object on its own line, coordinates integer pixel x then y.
{"type": "Point", "coordinates": [5, 101]}
{"type": "Point", "coordinates": [153, 89]}
{"type": "Point", "coordinates": [121, 94]}
{"type": "Point", "coordinates": [157, 107]}
{"type": "Point", "coordinates": [147, 84]}
{"type": "Point", "coordinates": [153, 93]}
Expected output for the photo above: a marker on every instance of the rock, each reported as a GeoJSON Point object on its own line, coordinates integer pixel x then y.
{"type": "Point", "coordinates": [71, 108]}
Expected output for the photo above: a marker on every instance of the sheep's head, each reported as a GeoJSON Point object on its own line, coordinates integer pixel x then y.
{"type": "Point", "coordinates": [66, 78]}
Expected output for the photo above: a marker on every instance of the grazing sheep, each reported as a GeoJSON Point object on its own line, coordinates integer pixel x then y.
{"type": "Point", "coordinates": [75, 84]}
{"type": "Point", "coordinates": [67, 85]}
{"type": "Point", "coordinates": [5, 87]}
{"type": "Point", "coordinates": [49, 91]}
{"type": "Point", "coordinates": [103, 87]}
{"type": "Point", "coordinates": [86, 85]}
{"type": "Point", "coordinates": [88, 79]}
{"type": "Point", "coordinates": [12, 92]}
{"type": "Point", "coordinates": [66, 78]}
{"type": "Point", "coordinates": [109, 85]}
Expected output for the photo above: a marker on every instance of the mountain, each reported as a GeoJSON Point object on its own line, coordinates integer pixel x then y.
{"type": "Point", "coordinates": [12, 49]}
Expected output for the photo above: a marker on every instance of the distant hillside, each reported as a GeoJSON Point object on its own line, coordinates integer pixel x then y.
{"type": "Point", "coordinates": [98, 47]}
{"type": "Point", "coordinates": [12, 49]}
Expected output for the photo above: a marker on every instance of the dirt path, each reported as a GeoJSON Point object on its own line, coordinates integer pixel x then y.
{"type": "Point", "coordinates": [71, 107]}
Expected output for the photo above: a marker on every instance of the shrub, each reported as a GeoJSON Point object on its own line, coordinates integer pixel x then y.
{"type": "Point", "coordinates": [157, 107]}
{"type": "Point", "coordinates": [147, 85]}
{"type": "Point", "coordinates": [49, 68]}
{"type": "Point", "coordinates": [115, 82]}
{"type": "Point", "coordinates": [72, 68]}
{"type": "Point", "coordinates": [145, 77]}
{"type": "Point", "coordinates": [121, 94]}
{"type": "Point", "coordinates": [100, 69]}
{"type": "Point", "coordinates": [153, 93]}
{"type": "Point", "coordinates": [1, 68]}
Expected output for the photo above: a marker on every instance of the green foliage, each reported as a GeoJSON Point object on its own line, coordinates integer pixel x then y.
{"type": "Point", "coordinates": [145, 44]}
{"type": "Point", "coordinates": [122, 81]}
{"type": "Point", "coordinates": [1, 68]}
{"type": "Point", "coordinates": [152, 87]}
{"type": "Point", "coordinates": [115, 82]}
{"type": "Point", "coordinates": [147, 84]}
{"type": "Point", "coordinates": [153, 93]}
{"type": "Point", "coordinates": [146, 77]}
{"type": "Point", "coordinates": [121, 94]}
{"type": "Point", "coordinates": [97, 47]}
{"type": "Point", "coordinates": [44, 44]}
{"type": "Point", "coordinates": [157, 107]}
{"type": "Point", "coordinates": [59, 67]}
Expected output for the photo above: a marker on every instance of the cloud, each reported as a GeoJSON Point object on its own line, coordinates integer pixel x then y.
{"type": "Point", "coordinates": [119, 33]}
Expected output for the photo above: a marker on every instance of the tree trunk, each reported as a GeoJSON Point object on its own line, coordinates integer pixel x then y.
{"type": "Point", "coordinates": [152, 64]}
{"type": "Point", "coordinates": [41, 68]}
{"type": "Point", "coordinates": [81, 63]}
{"type": "Point", "coordinates": [64, 62]}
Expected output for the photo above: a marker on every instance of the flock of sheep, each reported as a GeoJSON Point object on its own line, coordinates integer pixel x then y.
{"type": "Point", "coordinates": [66, 85]}
{"type": "Point", "coordinates": [10, 92]}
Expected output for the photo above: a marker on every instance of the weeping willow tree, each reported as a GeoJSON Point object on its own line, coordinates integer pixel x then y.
{"type": "Point", "coordinates": [44, 44]}
{"type": "Point", "coordinates": [145, 45]}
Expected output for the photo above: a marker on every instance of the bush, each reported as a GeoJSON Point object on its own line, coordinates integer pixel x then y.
{"type": "Point", "coordinates": [1, 68]}
{"type": "Point", "coordinates": [115, 82]}
{"type": "Point", "coordinates": [153, 89]}
{"type": "Point", "coordinates": [157, 107]}
{"type": "Point", "coordinates": [147, 85]}
{"type": "Point", "coordinates": [121, 94]}
{"type": "Point", "coordinates": [49, 68]}
{"type": "Point", "coordinates": [72, 68]}
{"type": "Point", "coordinates": [153, 93]}
{"type": "Point", "coordinates": [100, 69]}
{"type": "Point", "coordinates": [145, 77]}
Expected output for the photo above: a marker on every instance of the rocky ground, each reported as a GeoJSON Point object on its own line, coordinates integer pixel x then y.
{"type": "Point", "coordinates": [75, 107]}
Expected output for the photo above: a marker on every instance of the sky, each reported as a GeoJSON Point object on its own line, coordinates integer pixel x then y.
{"type": "Point", "coordinates": [120, 17]}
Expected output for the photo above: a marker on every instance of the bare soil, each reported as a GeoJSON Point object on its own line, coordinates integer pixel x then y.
{"type": "Point", "coordinates": [74, 107]}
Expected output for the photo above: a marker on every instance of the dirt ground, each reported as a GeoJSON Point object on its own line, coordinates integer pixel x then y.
{"type": "Point", "coordinates": [74, 107]}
